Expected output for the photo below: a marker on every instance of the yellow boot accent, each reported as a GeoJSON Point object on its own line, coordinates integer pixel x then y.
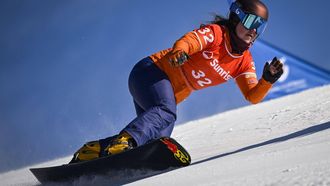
{"type": "Point", "coordinates": [89, 151]}
{"type": "Point", "coordinates": [120, 144]}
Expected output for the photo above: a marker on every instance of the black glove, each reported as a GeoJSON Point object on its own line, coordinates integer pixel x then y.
{"type": "Point", "coordinates": [273, 71]}
{"type": "Point", "coordinates": [177, 57]}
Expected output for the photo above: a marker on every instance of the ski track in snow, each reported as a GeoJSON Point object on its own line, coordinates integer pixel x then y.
{"type": "Point", "coordinates": [280, 142]}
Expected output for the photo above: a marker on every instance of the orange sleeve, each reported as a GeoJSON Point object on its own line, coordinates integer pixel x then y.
{"type": "Point", "coordinates": [188, 43]}
{"type": "Point", "coordinates": [199, 39]}
{"type": "Point", "coordinates": [253, 90]}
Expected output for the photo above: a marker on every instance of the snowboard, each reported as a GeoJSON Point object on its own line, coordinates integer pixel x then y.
{"type": "Point", "coordinates": [159, 155]}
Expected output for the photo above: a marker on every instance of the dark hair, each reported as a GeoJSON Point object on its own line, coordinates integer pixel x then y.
{"type": "Point", "coordinates": [220, 20]}
{"type": "Point", "coordinates": [233, 19]}
{"type": "Point", "coordinates": [217, 19]}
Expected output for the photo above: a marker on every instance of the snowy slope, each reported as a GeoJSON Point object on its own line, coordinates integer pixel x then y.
{"type": "Point", "coordinates": [280, 142]}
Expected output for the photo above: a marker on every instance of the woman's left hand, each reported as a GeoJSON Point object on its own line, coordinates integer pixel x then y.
{"type": "Point", "coordinates": [273, 71]}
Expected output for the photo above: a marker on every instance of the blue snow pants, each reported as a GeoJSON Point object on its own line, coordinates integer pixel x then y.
{"type": "Point", "coordinates": [154, 102]}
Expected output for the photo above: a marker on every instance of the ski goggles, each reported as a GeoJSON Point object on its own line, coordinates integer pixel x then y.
{"type": "Point", "coordinates": [249, 21]}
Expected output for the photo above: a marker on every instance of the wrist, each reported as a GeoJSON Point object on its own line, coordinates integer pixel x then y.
{"type": "Point", "coordinates": [265, 82]}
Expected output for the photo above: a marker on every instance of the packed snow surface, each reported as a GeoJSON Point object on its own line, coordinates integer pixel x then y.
{"type": "Point", "coordinates": [280, 142]}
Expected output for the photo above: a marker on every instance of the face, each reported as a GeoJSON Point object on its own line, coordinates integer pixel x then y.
{"type": "Point", "coordinates": [248, 36]}
{"type": "Point", "coordinates": [257, 8]}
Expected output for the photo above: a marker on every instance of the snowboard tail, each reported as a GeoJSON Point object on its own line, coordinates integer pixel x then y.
{"type": "Point", "coordinates": [158, 155]}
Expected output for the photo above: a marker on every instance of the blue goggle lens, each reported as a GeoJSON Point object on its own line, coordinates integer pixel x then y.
{"type": "Point", "coordinates": [249, 21]}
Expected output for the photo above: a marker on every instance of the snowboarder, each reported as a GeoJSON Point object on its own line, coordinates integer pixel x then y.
{"type": "Point", "coordinates": [207, 56]}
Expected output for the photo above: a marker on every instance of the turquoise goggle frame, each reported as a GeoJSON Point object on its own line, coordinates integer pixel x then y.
{"type": "Point", "coordinates": [249, 21]}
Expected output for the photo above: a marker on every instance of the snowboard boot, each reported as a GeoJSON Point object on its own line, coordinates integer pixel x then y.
{"type": "Point", "coordinates": [89, 151]}
{"type": "Point", "coordinates": [121, 143]}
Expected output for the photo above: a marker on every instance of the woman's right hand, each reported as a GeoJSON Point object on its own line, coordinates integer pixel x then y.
{"type": "Point", "coordinates": [177, 57]}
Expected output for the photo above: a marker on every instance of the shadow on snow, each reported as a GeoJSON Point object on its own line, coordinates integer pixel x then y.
{"type": "Point", "coordinates": [301, 133]}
